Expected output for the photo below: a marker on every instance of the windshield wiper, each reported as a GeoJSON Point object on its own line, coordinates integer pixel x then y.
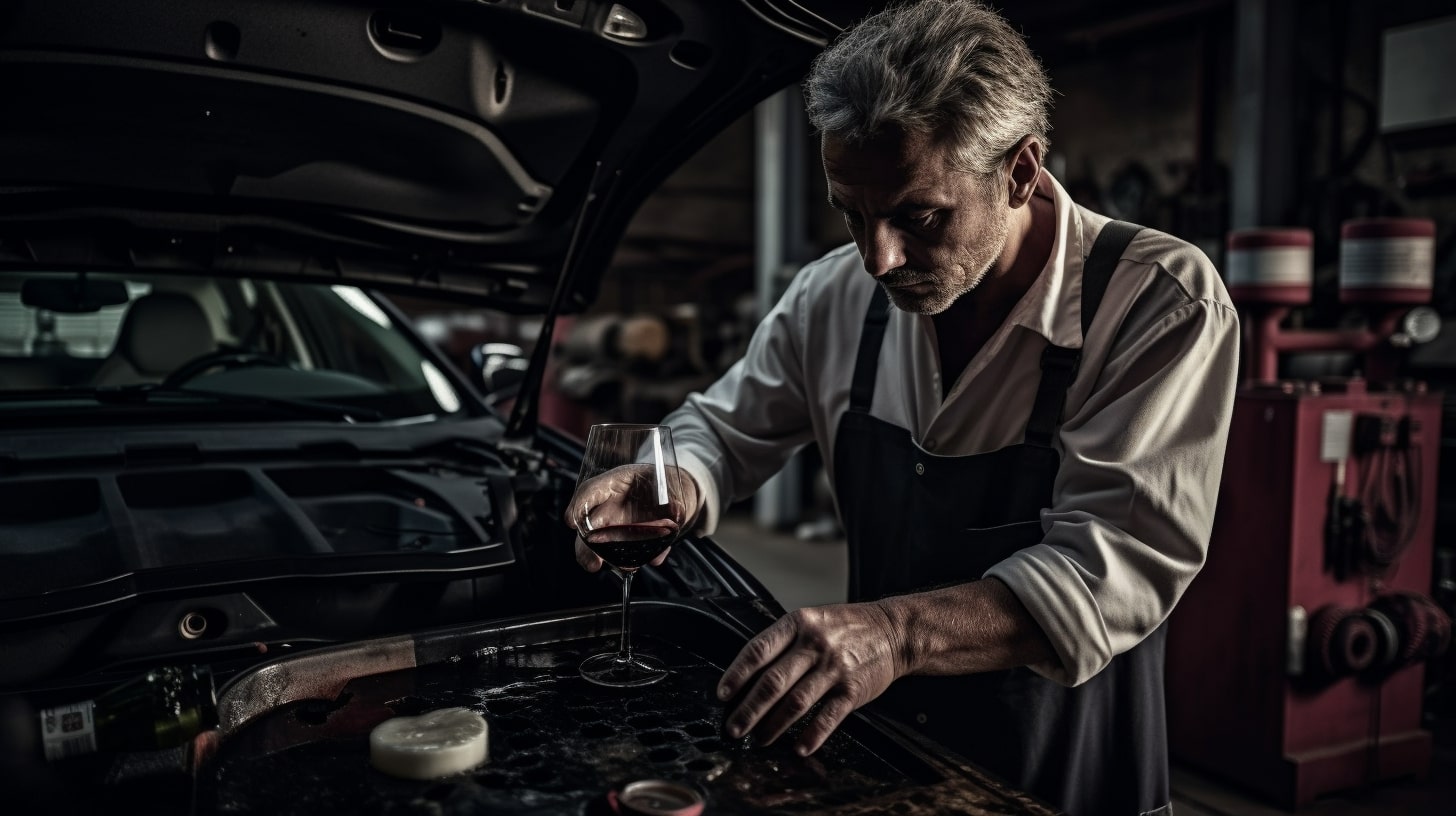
{"type": "Point", "coordinates": [149, 393]}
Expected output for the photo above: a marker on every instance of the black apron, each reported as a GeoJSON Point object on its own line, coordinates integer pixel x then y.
{"type": "Point", "coordinates": [917, 521]}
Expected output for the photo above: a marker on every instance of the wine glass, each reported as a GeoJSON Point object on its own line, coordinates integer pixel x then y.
{"type": "Point", "coordinates": [628, 508]}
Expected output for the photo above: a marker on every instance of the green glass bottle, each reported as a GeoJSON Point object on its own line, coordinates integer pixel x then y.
{"type": "Point", "coordinates": [163, 708]}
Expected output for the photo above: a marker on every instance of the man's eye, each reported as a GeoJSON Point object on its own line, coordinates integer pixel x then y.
{"type": "Point", "coordinates": [926, 221]}
{"type": "Point", "coordinates": [918, 222]}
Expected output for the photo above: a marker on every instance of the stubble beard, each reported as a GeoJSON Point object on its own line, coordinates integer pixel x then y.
{"type": "Point", "coordinates": [937, 297]}
{"type": "Point", "coordinates": [946, 287]}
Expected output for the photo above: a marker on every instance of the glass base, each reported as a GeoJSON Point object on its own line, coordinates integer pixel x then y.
{"type": "Point", "coordinates": [608, 669]}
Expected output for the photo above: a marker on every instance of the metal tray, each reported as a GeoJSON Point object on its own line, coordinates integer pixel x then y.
{"type": "Point", "coordinates": [294, 736]}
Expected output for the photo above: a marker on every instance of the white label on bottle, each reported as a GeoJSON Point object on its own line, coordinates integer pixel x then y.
{"type": "Point", "coordinates": [68, 730]}
{"type": "Point", "coordinates": [1394, 263]}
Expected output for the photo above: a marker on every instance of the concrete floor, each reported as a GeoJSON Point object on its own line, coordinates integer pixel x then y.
{"type": "Point", "coordinates": [808, 573]}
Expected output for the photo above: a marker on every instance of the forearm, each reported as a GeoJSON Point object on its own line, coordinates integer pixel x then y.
{"type": "Point", "coordinates": [974, 627]}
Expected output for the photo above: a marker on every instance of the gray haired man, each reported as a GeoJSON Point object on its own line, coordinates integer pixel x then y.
{"type": "Point", "coordinates": [1024, 408]}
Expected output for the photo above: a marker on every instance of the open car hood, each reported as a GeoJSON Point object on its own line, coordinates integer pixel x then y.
{"type": "Point", "coordinates": [476, 148]}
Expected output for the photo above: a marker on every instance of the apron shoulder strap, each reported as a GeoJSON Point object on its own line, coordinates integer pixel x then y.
{"type": "Point", "coordinates": [1058, 369]}
{"type": "Point", "coordinates": [1097, 269]}
{"type": "Point", "coordinates": [1059, 365]}
{"type": "Point", "coordinates": [866, 363]}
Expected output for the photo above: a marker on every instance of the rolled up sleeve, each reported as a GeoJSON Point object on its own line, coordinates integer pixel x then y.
{"type": "Point", "coordinates": [1133, 503]}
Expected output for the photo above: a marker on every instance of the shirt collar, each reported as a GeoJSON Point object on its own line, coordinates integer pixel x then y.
{"type": "Point", "coordinates": [1052, 307]}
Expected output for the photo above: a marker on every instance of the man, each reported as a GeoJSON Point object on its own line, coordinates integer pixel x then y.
{"type": "Point", "coordinates": [1026, 443]}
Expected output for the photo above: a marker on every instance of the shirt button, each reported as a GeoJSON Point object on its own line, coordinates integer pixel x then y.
{"type": "Point", "coordinates": [919, 469]}
{"type": "Point", "coordinates": [921, 718]}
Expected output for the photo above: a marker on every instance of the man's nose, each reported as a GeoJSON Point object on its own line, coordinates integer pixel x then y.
{"type": "Point", "coordinates": [884, 249]}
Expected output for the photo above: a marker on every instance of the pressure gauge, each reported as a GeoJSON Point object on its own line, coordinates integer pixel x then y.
{"type": "Point", "coordinates": [1420, 325]}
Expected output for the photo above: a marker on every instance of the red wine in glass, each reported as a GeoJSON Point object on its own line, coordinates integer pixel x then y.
{"type": "Point", "coordinates": [628, 508]}
{"type": "Point", "coordinates": [629, 546]}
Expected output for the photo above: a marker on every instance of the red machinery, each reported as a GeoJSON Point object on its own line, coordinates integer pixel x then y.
{"type": "Point", "coordinates": [1296, 659]}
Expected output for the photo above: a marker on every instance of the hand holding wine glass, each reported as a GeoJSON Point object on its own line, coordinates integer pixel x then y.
{"type": "Point", "coordinates": [631, 503]}
{"type": "Point", "coordinates": [607, 512]}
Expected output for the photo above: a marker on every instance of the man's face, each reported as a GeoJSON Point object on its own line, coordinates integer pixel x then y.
{"type": "Point", "coordinates": [927, 233]}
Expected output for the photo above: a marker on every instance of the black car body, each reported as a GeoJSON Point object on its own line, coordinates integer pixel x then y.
{"type": "Point", "coordinates": [254, 463]}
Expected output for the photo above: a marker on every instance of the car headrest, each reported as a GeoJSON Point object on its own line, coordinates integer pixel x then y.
{"type": "Point", "coordinates": [163, 330]}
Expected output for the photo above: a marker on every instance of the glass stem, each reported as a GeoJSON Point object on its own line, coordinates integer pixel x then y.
{"type": "Point", "coordinates": [624, 654]}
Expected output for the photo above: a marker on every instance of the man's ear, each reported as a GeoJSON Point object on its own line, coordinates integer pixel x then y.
{"type": "Point", "coordinates": [1023, 170]}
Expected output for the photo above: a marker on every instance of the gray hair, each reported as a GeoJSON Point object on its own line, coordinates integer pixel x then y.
{"type": "Point", "coordinates": [930, 66]}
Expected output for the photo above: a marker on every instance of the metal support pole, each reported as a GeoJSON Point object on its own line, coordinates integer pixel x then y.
{"type": "Point", "coordinates": [780, 248]}
{"type": "Point", "coordinates": [1264, 163]}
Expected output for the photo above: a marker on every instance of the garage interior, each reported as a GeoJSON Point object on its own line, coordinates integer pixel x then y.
{"type": "Point", "coordinates": [1243, 127]}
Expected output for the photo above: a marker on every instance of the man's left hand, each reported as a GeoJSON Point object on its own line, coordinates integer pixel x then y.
{"type": "Point", "coordinates": [841, 656]}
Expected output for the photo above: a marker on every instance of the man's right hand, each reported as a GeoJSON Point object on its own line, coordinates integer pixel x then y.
{"type": "Point", "coordinates": [607, 499]}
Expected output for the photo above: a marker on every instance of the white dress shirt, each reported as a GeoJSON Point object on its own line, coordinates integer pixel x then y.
{"type": "Point", "coordinates": [1141, 443]}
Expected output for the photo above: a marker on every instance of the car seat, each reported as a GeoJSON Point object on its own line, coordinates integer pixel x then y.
{"type": "Point", "coordinates": [160, 332]}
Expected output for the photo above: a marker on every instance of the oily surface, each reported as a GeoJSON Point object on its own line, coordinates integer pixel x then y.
{"type": "Point", "coordinates": [558, 744]}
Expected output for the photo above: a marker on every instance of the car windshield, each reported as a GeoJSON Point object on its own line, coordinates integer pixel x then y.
{"type": "Point", "coordinates": [135, 344]}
